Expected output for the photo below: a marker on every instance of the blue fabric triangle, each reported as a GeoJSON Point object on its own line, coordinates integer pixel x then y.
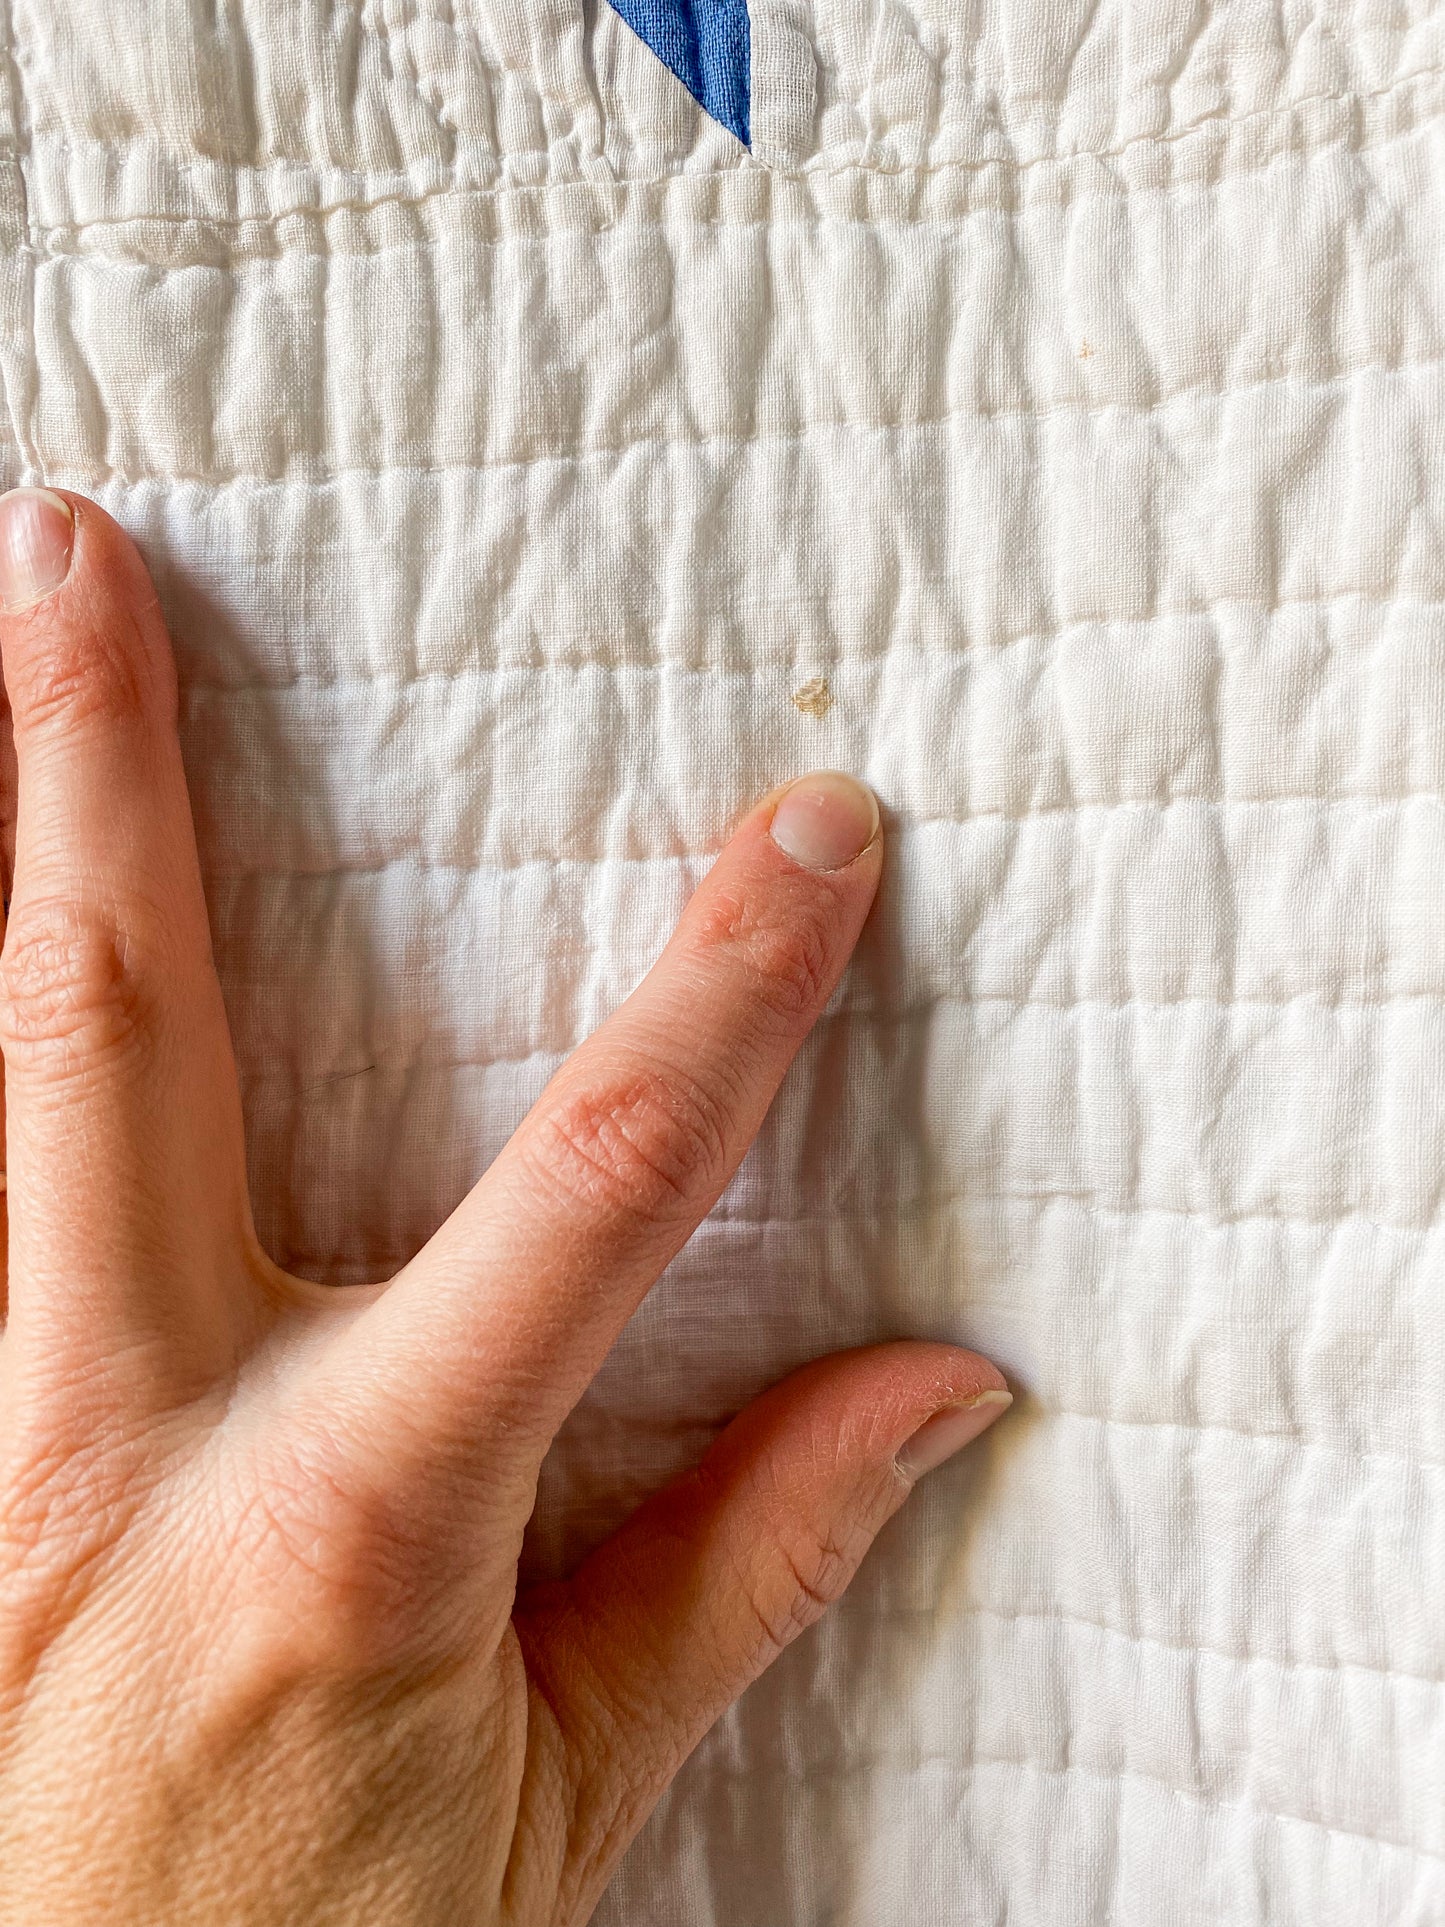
{"type": "Point", "coordinates": [707, 45]}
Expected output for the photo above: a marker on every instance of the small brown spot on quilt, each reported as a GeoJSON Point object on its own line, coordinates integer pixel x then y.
{"type": "Point", "coordinates": [815, 698]}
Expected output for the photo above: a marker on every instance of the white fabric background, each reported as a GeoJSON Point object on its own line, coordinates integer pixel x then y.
{"type": "Point", "coordinates": [1065, 381]}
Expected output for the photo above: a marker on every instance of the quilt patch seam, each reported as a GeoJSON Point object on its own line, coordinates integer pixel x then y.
{"type": "Point", "coordinates": [898, 426]}
{"type": "Point", "coordinates": [1205, 125]}
{"type": "Point", "coordinates": [707, 44]}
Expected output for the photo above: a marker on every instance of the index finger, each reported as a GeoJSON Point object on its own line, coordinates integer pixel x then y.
{"type": "Point", "coordinates": [525, 1287]}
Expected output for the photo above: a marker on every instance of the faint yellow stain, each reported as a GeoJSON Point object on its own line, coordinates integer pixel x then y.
{"type": "Point", "coordinates": [1085, 351]}
{"type": "Point", "coordinates": [815, 698]}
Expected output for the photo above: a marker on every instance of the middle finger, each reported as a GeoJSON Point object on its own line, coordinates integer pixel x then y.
{"type": "Point", "coordinates": [515, 1302]}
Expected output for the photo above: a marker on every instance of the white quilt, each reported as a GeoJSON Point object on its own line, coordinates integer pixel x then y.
{"type": "Point", "coordinates": [1064, 382]}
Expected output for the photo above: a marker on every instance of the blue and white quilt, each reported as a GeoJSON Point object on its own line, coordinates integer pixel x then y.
{"type": "Point", "coordinates": [550, 426]}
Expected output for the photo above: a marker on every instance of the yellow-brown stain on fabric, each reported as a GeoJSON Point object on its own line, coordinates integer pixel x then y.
{"type": "Point", "coordinates": [815, 698]}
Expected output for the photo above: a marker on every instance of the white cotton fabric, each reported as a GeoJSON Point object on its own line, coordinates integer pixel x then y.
{"type": "Point", "coordinates": [1063, 380]}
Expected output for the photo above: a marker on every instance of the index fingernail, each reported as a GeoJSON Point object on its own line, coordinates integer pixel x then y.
{"type": "Point", "coordinates": [825, 821]}
{"type": "Point", "coordinates": [37, 533]}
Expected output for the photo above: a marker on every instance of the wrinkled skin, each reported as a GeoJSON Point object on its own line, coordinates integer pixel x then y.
{"type": "Point", "coordinates": [262, 1656]}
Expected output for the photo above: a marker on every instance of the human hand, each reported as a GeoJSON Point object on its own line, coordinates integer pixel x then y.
{"type": "Point", "coordinates": [262, 1654]}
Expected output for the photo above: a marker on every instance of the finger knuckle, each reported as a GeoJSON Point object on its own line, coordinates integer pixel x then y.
{"type": "Point", "coordinates": [346, 1570]}
{"type": "Point", "coordinates": [809, 1574]}
{"type": "Point", "coordinates": [641, 1143]}
{"type": "Point", "coordinates": [102, 668]}
{"type": "Point", "coordinates": [786, 948]}
{"type": "Point", "coordinates": [69, 999]}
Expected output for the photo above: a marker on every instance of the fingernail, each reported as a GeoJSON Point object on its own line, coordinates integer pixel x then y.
{"type": "Point", "coordinates": [949, 1431]}
{"type": "Point", "coordinates": [826, 820]}
{"type": "Point", "coordinates": [37, 532]}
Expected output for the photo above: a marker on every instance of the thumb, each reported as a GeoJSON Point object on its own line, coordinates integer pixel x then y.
{"type": "Point", "coordinates": [661, 1629]}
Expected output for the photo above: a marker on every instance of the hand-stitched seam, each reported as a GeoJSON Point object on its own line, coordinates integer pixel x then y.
{"type": "Point", "coordinates": [828, 659]}
{"type": "Point", "coordinates": [248, 873]}
{"type": "Point", "coordinates": [1296, 1000]}
{"type": "Point", "coordinates": [889, 1614]}
{"type": "Point", "coordinates": [1069, 158]}
{"type": "Point", "coordinates": [307, 1079]}
{"type": "Point", "coordinates": [621, 190]}
{"type": "Point", "coordinates": [382, 1259]}
{"type": "Point", "coordinates": [96, 475]}
{"type": "Point", "coordinates": [973, 1609]}
{"type": "Point", "coordinates": [485, 182]}
{"type": "Point", "coordinates": [861, 1760]}
{"type": "Point", "coordinates": [982, 1196]}
{"type": "Point", "coordinates": [1302, 1442]}
{"type": "Point", "coordinates": [706, 49]}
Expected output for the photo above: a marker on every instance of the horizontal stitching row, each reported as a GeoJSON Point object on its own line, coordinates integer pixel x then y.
{"type": "Point", "coordinates": [407, 194]}
{"type": "Point", "coordinates": [900, 821]}
{"type": "Point", "coordinates": [982, 1198]}
{"type": "Point", "coordinates": [920, 1013]}
{"type": "Point", "coordinates": [1302, 1442]}
{"type": "Point", "coordinates": [832, 659]}
{"type": "Point", "coordinates": [916, 1014]}
{"type": "Point", "coordinates": [861, 1761]}
{"type": "Point", "coordinates": [973, 1609]}
{"type": "Point", "coordinates": [1091, 1205]}
{"type": "Point", "coordinates": [1066, 161]}
{"type": "Point", "coordinates": [306, 1082]}
{"type": "Point", "coordinates": [1296, 1441]}
{"type": "Point", "coordinates": [42, 237]}
{"type": "Point", "coordinates": [891, 1612]}
{"type": "Point", "coordinates": [408, 859]}
{"type": "Point", "coordinates": [95, 475]}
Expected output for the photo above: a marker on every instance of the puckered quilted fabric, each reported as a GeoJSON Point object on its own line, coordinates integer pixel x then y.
{"type": "Point", "coordinates": [1063, 381]}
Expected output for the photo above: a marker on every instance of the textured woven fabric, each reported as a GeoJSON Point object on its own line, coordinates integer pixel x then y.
{"type": "Point", "coordinates": [706, 44]}
{"type": "Point", "coordinates": [1063, 382]}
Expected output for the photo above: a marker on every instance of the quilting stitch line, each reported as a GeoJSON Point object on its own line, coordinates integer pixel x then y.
{"type": "Point", "coordinates": [382, 1259]}
{"type": "Point", "coordinates": [1362, 1007]}
{"type": "Point", "coordinates": [858, 1608]}
{"type": "Point", "coordinates": [97, 475]}
{"type": "Point", "coordinates": [983, 1198]}
{"type": "Point", "coordinates": [622, 190]}
{"type": "Point", "coordinates": [452, 867]}
{"type": "Point", "coordinates": [1064, 159]}
{"type": "Point", "coordinates": [1089, 1204]}
{"type": "Point", "coordinates": [802, 658]}
{"type": "Point", "coordinates": [860, 1762]}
